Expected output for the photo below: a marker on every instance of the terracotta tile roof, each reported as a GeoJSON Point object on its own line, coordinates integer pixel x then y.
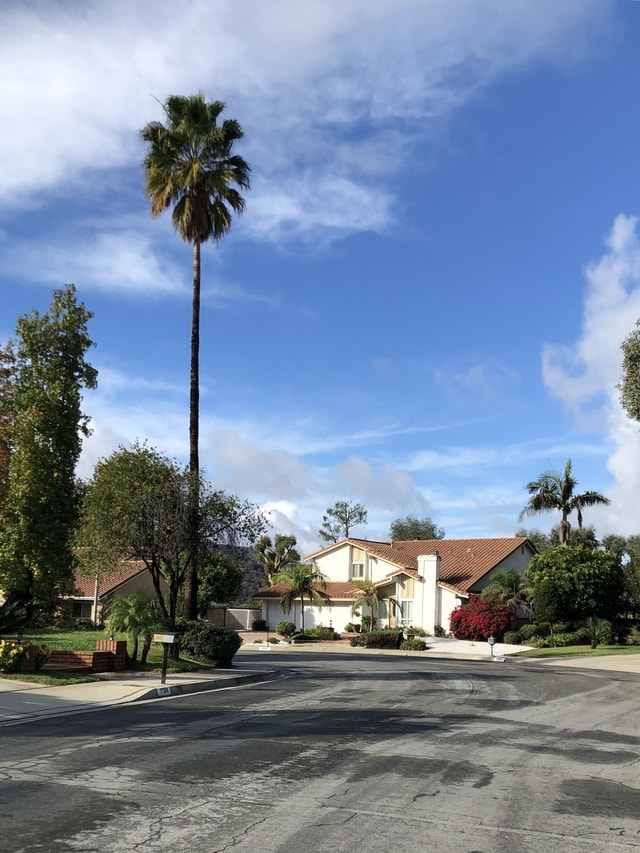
{"type": "Point", "coordinates": [463, 562]}
{"type": "Point", "coordinates": [127, 569]}
{"type": "Point", "coordinates": [334, 589]}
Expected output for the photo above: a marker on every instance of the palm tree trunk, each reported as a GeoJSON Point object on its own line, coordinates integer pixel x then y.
{"type": "Point", "coordinates": [302, 613]}
{"type": "Point", "coordinates": [191, 576]}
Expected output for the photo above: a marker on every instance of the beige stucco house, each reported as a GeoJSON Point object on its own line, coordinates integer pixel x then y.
{"type": "Point", "coordinates": [419, 582]}
{"type": "Point", "coordinates": [93, 594]}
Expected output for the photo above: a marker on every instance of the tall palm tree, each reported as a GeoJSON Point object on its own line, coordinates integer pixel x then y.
{"type": "Point", "coordinates": [190, 165]}
{"type": "Point", "coordinates": [304, 580]}
{"type": "Point", "coordinates": [555, 491]}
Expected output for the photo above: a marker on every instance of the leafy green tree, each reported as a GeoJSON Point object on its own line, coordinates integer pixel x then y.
{"type": "Point", "coordinates": [44, 433]}
{"type": "Point", "coordinates": [278, 555]}
{"type": "Point", "coordinates": [629, 386]}
{"type": "Point", "coordinates": [575, 582]}
{"type": "Point", "coordinates": [541, 541]}
{"type": "Point", "coordinates": [190, 166]}
{"type": "Point", "coordinates": [340, 518]}
{"type": "Point", "coordinates": [136, 616]}
{"type": "Point", "coordinates": [627, 549]}
{"type": "Point", "coordinates": [7, 381]}
{"type": "Point", "coordinates": [220, 579]}
{"type": "Point", "coordinates": [405, 529]}
{"type": "Point", "coordinates": [306, 583]}
{"type": "Point", "coordinates": [555, 491]}
{"type": "Point", "coordinates": [137, 506]}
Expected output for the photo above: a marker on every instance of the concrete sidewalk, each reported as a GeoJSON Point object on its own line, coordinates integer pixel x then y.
{"type": "Point", "coordinates": [22, 700]}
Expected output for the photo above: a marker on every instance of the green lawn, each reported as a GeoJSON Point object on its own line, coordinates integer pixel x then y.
{"type": "Point", "coordinates": [85, 641]}
{"type": "Point", "coordinates": [582, 651]}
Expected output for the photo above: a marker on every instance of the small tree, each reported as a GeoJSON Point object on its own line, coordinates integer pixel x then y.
{"type": "Point", "coordinates": [339, 519]}
{"type": "Point", "coordinates": [409, 528]}
{"type": "Point", "coordinates": [219, 579]}
{"type": "Point", "coordinates": [303, 580]}
{"type": "Point", "coordinates": [509, 587]}
{"type": "Point", "coordinates": [278, 555]}
{"type": "Point", "coordinates": [137, 617]}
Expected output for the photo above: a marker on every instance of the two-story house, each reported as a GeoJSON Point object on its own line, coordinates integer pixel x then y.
{"type": "Point", "coordinates": [418, 582]}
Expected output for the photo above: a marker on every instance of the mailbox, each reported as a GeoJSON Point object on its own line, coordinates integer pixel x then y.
{"type": "Point", "coordinates": [165, 638]}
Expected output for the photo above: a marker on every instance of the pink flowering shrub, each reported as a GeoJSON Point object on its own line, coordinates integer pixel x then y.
{"type": "Point", "coordinates": [480, 618]}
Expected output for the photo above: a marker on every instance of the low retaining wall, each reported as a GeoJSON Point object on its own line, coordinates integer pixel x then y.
{"type": "Point", "coordinates": [110, 656]}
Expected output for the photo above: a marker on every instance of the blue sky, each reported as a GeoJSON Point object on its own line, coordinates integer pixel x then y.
{"type": "Point", "coordinates": [421, 308]}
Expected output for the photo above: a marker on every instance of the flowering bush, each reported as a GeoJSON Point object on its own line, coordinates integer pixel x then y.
{"type": "Point", "coordinates": [480, 618]}
{"type": "Point", "coordinates": [11, 656]}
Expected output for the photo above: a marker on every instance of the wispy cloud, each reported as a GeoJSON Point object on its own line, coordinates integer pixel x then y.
{"type": "Point", "coordinates": [339, 86]}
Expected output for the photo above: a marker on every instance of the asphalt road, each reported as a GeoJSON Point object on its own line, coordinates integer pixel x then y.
{"type": "Point", "coordinates": [349, 753]}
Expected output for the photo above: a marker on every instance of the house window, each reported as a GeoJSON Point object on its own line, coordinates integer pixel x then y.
{"type": "Point", "coordinates": [357, 570]}
{"type": "Point", "coordinates": [406, 612]}
{"type": "Point", "coordinates": [383, 610]}
{"type": "Point", "coordinates": [81, 609]}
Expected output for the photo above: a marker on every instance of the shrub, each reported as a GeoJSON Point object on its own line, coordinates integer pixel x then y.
{"type": "Point", "coordinates": [260, 625]}
{"type": "Point", "coordinates": [358, 640]}
{"type": "Point", "coordinates": [209, 643]}
{"type": "Point", "coordinates": [633, 637]}
{"type": "Point", "coordinates": [512, 637]}
{"type": "Point", "coordinates": [303, 638]}
{"type": "Point", "coordinates": [11, 656]}
{"type": "Point", "coordinates": [413, 646]}
{"type": "Point", "coordinates": [438, 631]}
{"type": "Point", "coordinates": [389, 638]}
{"type": "Point", "coordinates": [599, 631]}
{"type": "Point", "coordinates": [528, 632]}
{"type": "Point", "coordinates": [41, 655]}
{"type": "Point", "coordinates": [480, 618]}
{"type": "Point", "coordinates": [352, 628]}
{"type": "Point", "coordinates": [286, 629]}
{"type": "Point", "coordinates": [322, 633]}
{"type": "Point", "coordinates": [416, 632]}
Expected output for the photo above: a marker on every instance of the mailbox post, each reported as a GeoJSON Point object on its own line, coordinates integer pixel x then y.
{"type": "Point", "coordinates": [492, 641]}
{"type": "Point", "coordinates": [167, 640]}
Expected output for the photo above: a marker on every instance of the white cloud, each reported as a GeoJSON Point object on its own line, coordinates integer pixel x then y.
{"type": "Point", "coordinates": [119, 262]}
{"type": "Point", "coordinates": [584, 375]}
{"type": "Point", "coordinates": [340, 87]}
{"type": "Point", "coordinates": [388, 487]}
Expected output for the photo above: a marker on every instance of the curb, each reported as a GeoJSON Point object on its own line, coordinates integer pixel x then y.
{"type": "Point", "coordinates": [167, 690]}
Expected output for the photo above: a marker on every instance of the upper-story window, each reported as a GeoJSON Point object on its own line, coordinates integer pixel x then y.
{"type": "Point", "coordinates": [357, 563]}
{"type": "Point", "coordinates": [357, 570]}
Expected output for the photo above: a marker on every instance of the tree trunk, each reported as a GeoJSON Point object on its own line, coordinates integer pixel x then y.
{"type": "Point", "coordinates": [191, 577]}
{"type": "Point", "coordinates": [302, 613]}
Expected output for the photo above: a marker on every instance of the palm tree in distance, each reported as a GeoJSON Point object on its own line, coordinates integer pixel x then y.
{"type": "Point", "coordinates": [190, 165]}
{"type": "Point", "coordinates": [304, 580]}
{"type": "Point", "coordinates": [555, 491]}
{"type": "Point", "coordinates": [509, 587]}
